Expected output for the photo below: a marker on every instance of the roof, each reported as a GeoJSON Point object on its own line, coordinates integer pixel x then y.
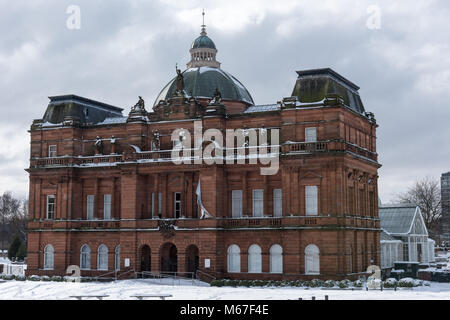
{"type": "Point", "coordinates": [384, 236]}
{"type": "Point", "coordinates": [397, 219]}
{"type": "Point", "coordinates": [84, 109]}
{"type": "Point", "coordinates": [263, 108]}
{"type": "Point", "coordinates": [203, 81]}
{"type": "Point", "coordinates": [315, 84]}
{"type": "Point", "coordinates": [203, 42]}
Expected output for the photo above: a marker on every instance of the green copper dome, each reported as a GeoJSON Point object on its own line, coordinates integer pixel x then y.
{"type": "Point", "coordinates": [203, 42]}
{"type": "Point", "coordinates": [201, 82]}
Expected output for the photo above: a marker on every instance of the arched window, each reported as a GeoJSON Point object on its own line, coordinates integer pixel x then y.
{"type": "Point", "coordinates": [117, 258]}
{"type": "Point", "coordinates": [276, 259]}
{"type": "Point", "coordinates": [254, 259]}
{"type": "Point", "coordinates": [312, 260]}
{"type": "Point", "coordinates": [102, 257]}
{"type": "Point", "coordinates": [49, 257]}
{"type": "Point", "coordinates": [234, 258]}
{"type": "Point", "coordinates": [85, 259]}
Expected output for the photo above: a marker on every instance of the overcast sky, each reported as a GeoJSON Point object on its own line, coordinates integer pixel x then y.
{"type": "Point", "coordinates": [128, 48]}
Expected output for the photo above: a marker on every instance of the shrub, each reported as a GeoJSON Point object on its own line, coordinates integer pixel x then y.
{"type": "Point", "coordinates": [260, 283]}
{"type": "Point", "coordinates": [69, 279]}
{"type": "Point", "coordinates": [358, 283]}
{"type": "Point", "coordinates": [34, 278]}
{"type": "Point", "coordinates": [21, 278]}
{"type": "Point", "coordinates": [344, 284]}
{"type": "Point", "coordinates": [45, 278]}
{"type": "Point", "coordinates": [245, 283]}
{"type": "Point", "coordinates": [329, 283]}
{"type": "Point", "coordinates": [406, 283]}
{"type": "Point", "coordinates": [315, 283]}
{"type": "Point", "coordinates": [14, 247]}
{"type": "Point", "coordinates": [8, 277]}
{"type": "Point", "coordinates": [217, 283]}
{"type": "Point", "coordinates": [56, 278]}
{"type": "Point", "coordinates": [390, 283]}
{"type": "Point", "coordinates": [298, 283]}
{"type": "Point", "coordinates": [22, 252]}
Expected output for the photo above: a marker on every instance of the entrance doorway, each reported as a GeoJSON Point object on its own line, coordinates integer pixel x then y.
{"type": "Point", "coordinates": [192, 260]}
{"type": "Point", "coordinates": [169, 262]}
{"type": "Point", "coordinates": [146, 262]}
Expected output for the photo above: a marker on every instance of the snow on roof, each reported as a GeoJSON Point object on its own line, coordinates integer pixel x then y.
{"type": "Point", "coordinates": [113, 120]}
{"type": "Point", "coordinates": [263, 108]}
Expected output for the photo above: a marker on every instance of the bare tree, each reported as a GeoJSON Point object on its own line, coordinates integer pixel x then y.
{"type": "Point", "coordinates": [426, 194]}
{"type": "Point", "coordinates": [9, 208]}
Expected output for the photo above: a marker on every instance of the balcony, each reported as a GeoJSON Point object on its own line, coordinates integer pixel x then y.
{"type": "Point", "coordinates": [240, 153]}
{"type": "Point", "coordinates": [268, 222]}
{"type": "Point", "coordinates": [293, 148]}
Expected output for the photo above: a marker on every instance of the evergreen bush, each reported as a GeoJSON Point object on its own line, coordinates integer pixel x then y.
{"type": "Point", "coordinates": [14, 247]}
{"type": "Point", "coordinates": [34, 278]}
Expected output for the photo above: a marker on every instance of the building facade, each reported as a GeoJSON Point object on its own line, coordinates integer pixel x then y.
{"type": "Point", "coordinates": [445, 203]}
{"type": "Point", "coordinates": [106, 193]}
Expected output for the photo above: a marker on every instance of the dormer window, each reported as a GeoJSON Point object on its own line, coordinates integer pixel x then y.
{"type": "Point", "coordinates": [52, 151]}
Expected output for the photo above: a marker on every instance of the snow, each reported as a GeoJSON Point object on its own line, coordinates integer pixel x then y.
{"type": "Point", "coordinates": [124, 289]}
{"type": "Point", "coordinates": [4, 260]}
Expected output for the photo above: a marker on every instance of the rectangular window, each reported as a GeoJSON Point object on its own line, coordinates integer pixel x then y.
{"type": "Point", "coordinates": [310, 134]}
{"type": "Point", "coordinates": [258, 202]}
{"type": "Point", "coordinates": [107, 206]}
{"type": "Point", "coordinates": [277, 203]}
{"type": "Point", "coordinates": [160, 204]}
{"type": "Point", "coordinates": [405, 252]}
{"type": "Point", "coordinates": [153, 205]}
{"type": "Point", "coordinates": [90, 207]}
{"type": "Point", "coordinates": [177, 204]}
{"type": "Point", "coordinates": [236, 197]}
{"type": "Point", "coordinates": [50, 207]}
{"type": "Point", "coordinates": [311, 200]}
{"type": "Point", "coordinates": [52, 151]}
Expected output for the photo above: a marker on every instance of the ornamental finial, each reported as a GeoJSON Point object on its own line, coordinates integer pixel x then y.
{"type": "Point", "coordinates": [203, 33]}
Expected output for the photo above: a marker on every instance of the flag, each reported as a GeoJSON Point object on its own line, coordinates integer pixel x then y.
{"type": "Point", "coordinates": [204, 212]}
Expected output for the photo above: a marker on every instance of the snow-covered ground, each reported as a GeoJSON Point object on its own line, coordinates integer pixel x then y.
{"type": "Point", "coordinates": [123, 289]}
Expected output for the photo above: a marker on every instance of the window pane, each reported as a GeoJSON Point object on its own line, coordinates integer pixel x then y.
{"type": "Point", "coordinates": [90, 207]}
{"type": "Point", "coordinates": [311, 200]}
{"type": "Point", "coordinates": [177, 204]}
{"type": "Point", "coordinates": [258, 203]}
{"type": "Point", "coordinates": [153, 205]}
{"type": "Point", "coordinates": [277, 203]}
{"type": "Point", "coordinates": [159, 203]}
{"type": "Point", "coordinates": [310, 134]}
{"type": "Point", "coordinates": [50, 206]}
{"type": "Point", "coordinates": [52, 151]}
{"type": "Point", "coordinates": [107, 207]}
{"type": "Point", "coordinates": [236, 196]}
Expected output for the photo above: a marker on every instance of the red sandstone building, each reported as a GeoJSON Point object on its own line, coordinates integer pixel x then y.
{"type": "Point", "coordinates": [105, 194]}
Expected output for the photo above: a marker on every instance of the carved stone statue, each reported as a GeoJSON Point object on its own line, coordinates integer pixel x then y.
{"type": "Point", "coordinates": [180, 81]}
{"type": "Point", "coordinates": [139, 105]}
{"type": "Point", "coordinates": [217, 98]}
{"type": "Point", "coordinates": [98, 145]}
{"type": "Point", "coordinates": [155, 141]}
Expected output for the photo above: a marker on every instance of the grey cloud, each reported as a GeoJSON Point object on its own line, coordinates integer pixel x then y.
{"type": "Point", "coordinates": [126, 49]}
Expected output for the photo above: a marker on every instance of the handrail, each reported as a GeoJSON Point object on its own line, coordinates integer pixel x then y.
{"type": "Point", "coordinates": [105, 274]}
{"type": "Point", "coordinates": [205, 274]}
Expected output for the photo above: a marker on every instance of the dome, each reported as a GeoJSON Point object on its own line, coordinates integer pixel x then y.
{"type": "Point", "coordinates": [201, 82]}
{"type": "Point", "coordinates": [203, 42]}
